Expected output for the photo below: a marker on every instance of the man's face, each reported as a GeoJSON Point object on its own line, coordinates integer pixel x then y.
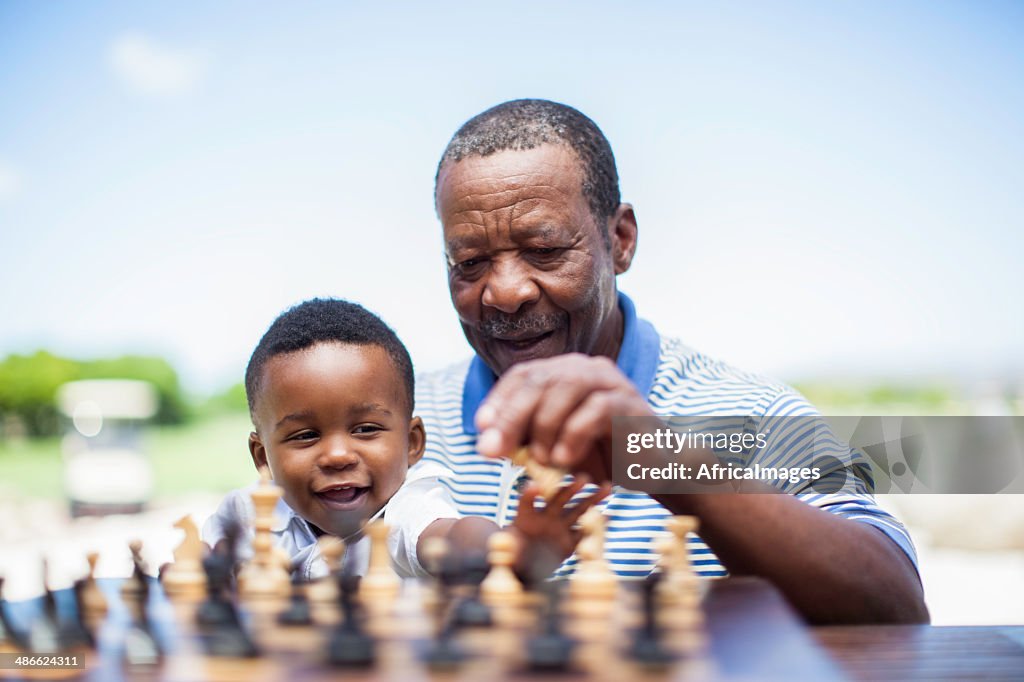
{"type": "Point", "coordinates": [333, 425]}
{"type": "Point", "coordinates": [529, 272]}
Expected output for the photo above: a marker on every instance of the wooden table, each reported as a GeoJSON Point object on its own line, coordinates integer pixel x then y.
{"type": "Point", "coordinates": [922, 652]}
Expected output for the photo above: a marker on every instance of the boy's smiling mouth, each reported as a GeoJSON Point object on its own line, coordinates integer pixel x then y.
{"type": "Point", "coordinates": [343, 497]}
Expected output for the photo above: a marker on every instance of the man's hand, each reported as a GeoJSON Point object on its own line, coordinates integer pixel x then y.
{"type": "Point", "coordinates": [562, 408]}
{"type": "Point", "coordinates": [548, 536]}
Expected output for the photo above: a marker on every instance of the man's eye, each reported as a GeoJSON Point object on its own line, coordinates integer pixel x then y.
{"type": "Point", "coordinates": [546, 252]}
{"type": "Point", "coordinates": [469, 265]}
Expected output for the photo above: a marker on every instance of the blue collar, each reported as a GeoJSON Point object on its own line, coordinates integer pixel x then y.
{"type": "Point", "coordinates": [638, 360]}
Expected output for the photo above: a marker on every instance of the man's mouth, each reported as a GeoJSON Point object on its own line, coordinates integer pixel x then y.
{"type": "Point", "coordinates": [525, 342]}
{"type": "Point", "coordinates": [343, 497]}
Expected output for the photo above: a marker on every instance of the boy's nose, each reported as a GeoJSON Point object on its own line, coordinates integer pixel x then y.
{"type": "Point", "coordinates": [337, 455]}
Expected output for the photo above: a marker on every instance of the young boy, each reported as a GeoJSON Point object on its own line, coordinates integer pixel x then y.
{"type": "Point", "coordinates": [330, 391]}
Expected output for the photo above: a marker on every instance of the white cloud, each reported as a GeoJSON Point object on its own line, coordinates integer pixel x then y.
{"type": "Point", "coordinates": [155, 69]}
{"type": "Point", "coordinates": [10, 182]}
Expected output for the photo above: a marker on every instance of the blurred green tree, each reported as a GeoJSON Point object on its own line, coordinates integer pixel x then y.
{"type": "Point", "coordinates": [29, 383]}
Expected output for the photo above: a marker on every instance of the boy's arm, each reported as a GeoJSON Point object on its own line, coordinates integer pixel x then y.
{"type": "Point", "coordinates": [546, 536]}
{"type": "Point", "coordinates": [465, 537]}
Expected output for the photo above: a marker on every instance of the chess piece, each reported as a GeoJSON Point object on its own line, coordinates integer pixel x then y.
{"type": "Point", "coordinates": [548, 479]}
{"type": "Point", "coordinates": [594, 582]}
{"type": "Point", "coordinates": [380, 585]}
{"type": "Point", "coordinates": [264, 578]}
{"type": "Point", "coordinates": [141, 647]}
{"type": "Point", "coordinates": [433, 554]}
{"type": "Point", "coordinates": [444, 651]}
{"type": "Point", "coordinates": [501, 586]}
{"type": "Point", "coordinates": [299, 612]}
{"type": "Point", "coordinates": [679, 590]}
{"type": "Point", "coordinates": [323, 593]}
{"type": "Point", "coordinates": [552, 649]}
{"type": "Point", "coordinates": [470, 611]}
{"type": "Point", "coordinates": [218, 566]}
{"type": "Point", "coordinates": [220, 626]}
{"type": "Point", "coordinates": [184, 578]}
{"type": "Point", "coordinates": [75, 633]}
{"type": "Point", "coordinates": [350, 645]}
{"type": "Point", "coordinates": [647, 648]}
{"type": "Point", "coordinates": [93, 601]}
{"type": "Point", "coordinates": [680, 580]}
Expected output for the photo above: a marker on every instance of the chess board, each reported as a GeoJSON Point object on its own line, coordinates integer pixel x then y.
{"type": "Point", "coordinates": [744, 630]}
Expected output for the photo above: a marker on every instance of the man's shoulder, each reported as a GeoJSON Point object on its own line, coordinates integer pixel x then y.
{"type": "Point", "coordinates": [442, 384]}
{"type": "Point", "coordinates": [688, 380]}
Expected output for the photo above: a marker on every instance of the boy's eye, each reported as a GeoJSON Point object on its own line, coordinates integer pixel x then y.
{"type": "Point", "coordinates": [304, 435]}
{"type": "Point", "coordinates": [365, 429]}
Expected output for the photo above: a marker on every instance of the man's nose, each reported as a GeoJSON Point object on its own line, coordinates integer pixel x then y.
{"type": "Point", "coordinates": [509, 286]}
{"type": "Point", "coordinates": [337, 454]}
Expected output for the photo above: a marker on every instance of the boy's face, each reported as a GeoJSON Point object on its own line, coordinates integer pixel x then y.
{"type": "Point", "coordinates": [332, 423]}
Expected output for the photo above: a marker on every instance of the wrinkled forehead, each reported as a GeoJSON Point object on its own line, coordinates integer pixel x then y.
{"type": "Point", "coordinates": [549, 171]}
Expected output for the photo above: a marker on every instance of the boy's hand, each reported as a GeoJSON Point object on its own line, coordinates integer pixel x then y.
{"type": "Point", "coordinates": [548, 536]}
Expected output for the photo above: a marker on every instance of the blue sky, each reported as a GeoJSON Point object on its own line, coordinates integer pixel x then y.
{"type": "Point", "coordinates": [822, 188]}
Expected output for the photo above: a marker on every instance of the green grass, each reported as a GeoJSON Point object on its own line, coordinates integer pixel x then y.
{"type": "Point", "coordinates": [207, 455]}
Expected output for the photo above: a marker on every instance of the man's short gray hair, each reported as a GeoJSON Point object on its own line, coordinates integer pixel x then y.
{"type": "Point", "coordinates": [527, 123]}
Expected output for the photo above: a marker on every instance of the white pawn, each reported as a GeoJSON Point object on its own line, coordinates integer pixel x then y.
{"type": "Point", "coordinates": [680, 584]}
{"type": "Point", "coordinates": [324, 591]}
{"type": "Point", "coordinates": [93, 600]}
{"type": "Point", "coordinates": [380, 585]}
{"type": "Point", "coordinates": [501, 586]}
{"type": "Point", "coordinates": [594, 580]}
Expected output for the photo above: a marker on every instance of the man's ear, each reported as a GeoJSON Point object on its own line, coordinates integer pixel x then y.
{"type": "Point", "coordinates": [417, 440]}
{"type": "Point", "coordinates": [622, 230]}
{"type": "Point", "coordinates": [258, 452]}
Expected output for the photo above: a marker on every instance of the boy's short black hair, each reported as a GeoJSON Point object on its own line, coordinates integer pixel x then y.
{"type": "Point", "coordinates": [325, 320]}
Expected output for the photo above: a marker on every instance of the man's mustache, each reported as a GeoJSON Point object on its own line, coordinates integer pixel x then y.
{"type": "Point", "coordinates": [502, 325]}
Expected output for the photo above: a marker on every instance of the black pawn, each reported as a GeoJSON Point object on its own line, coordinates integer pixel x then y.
{"type": "Point", "coordinates": [470, 611]}
{"type": "Point", "coordinates": [444, 651]}
{"type": "Point", "coordinates": [552, 649]}
{"type": "Point", "coordinates": [647, 648]}
{"type": "Point", "coordinates": [298, 612]}
{"type": "Point", "coordinates": [216, 609]}
{"type": "Point", "coordinates": [74, 633]}
{"type": "Point", "coordinates": [141, 647]}
{"type": "Point", "coordinates": [350, 646]}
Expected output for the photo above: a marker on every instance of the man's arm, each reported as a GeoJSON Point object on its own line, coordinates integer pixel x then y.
{"type": "Point", "coordinates": [830, 568]}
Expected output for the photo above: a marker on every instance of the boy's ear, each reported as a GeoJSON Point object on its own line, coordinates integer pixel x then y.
{"type": "Point", "coordinates": [258, 452]}
{"type": "Point", "coordinates": [417, 440]}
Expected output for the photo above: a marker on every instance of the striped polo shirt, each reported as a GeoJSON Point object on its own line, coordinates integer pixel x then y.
{"type": "Point", "coordinates": [677, 381]}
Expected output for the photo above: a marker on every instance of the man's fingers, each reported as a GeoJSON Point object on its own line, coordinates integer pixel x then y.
{"type": "Point", "coordinates": [507, 412]}
{"type": "Point", "coordinates": [591, 423]}
{"type": "Point", "coordinates": [532, 400]}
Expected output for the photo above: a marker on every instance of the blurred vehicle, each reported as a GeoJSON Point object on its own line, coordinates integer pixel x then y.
{"type": "Point", "coordinates": [106, 469]}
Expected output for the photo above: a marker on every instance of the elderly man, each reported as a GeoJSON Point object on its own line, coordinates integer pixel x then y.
{"type": "Point", "coordinates": [535, 235]}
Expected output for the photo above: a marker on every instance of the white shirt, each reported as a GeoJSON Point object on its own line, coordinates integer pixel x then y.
{"type": "Point", "coordinates": [421, 500]}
